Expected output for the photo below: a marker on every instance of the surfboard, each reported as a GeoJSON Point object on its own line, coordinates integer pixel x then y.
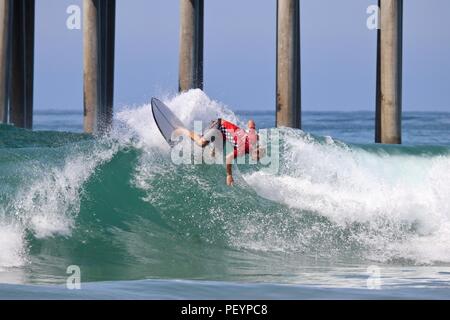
{"type": "Point", "coordinates": [166, 120]}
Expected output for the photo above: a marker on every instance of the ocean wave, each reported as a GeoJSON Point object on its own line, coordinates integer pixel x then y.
{"type": "Point", "coordinates": [118, 206]}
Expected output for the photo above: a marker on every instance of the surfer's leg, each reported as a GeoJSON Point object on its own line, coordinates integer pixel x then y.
{"type": "Point", "coordinates": [192, 135]}
{"type": "Point", "coordinates": [211, 135]}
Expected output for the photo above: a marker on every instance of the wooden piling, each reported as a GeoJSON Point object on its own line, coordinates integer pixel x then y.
{"type": "Point", "coordinates": [99, 52]}
{"type": "Point", "coordinates": [5, 57]}
{"type": "Point", "coordinates": [22, 63]}
{"type": "Point", "coordinates": [389, 73]}
{"type": "Point", "coordinates": [288, 91]}
{"type": "Point", "coordinates": [191, 45]}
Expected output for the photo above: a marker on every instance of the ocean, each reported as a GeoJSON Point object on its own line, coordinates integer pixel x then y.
{"type": "Point", "coordinates": [114, 217]}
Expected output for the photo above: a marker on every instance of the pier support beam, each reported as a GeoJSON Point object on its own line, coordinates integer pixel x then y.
{"type": "Point", "coordinates": [22, 63]}
{"type": "Point", "coordinates": [5, 57]}
{"type": "Point", "coordinates": [288, 99]}
{"type": "Point", "coordinates": [191, 44]}
{"type": "Point", "coordinates": [389, 73]}
{"type": "Point", "coordinates": [99, 48]}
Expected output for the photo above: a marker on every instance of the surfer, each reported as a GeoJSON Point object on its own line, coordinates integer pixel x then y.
{"type": "Point", "coordinates": [243, 141]}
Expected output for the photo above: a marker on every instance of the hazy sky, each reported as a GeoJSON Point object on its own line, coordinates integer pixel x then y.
{"type": "Point", "coordinates": [338, 54]}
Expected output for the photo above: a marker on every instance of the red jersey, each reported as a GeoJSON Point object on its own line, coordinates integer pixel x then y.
{"type": "Point", "coordinates": [242, 141]}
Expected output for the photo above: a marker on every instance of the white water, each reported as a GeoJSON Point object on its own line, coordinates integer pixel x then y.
{"type": "Point", "coordinates": [387, 193]}
{"type": "Point", "coordinates": [12, 245]}
{"type": "Point", "coordinates": [47, 203]}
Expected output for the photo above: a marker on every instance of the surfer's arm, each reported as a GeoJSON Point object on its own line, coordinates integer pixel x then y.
{"type": "Point", "coordinates": [194, 137]}
{"type": "Point", "coordinates": [229, 163]}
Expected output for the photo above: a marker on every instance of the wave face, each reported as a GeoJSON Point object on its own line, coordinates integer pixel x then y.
{"type": "Point", "coordinates": [119, 208]}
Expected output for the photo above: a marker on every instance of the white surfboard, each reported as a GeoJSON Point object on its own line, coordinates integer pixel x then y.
{"type": "Point", "coordinates": [166, 120]}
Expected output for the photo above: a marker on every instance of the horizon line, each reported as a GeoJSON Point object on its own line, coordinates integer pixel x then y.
{"type": "Point", "coordinates": [244, 111]}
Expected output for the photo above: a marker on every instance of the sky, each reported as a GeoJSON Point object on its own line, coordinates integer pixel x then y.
{"type": "Point", "coordinates": [338, 54]}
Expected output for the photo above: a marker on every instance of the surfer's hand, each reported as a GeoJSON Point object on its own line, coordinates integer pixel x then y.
{"type": "Point", "coordinates": [230, 180]}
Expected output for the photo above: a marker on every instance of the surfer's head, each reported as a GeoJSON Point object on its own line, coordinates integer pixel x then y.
{"type": "Point", "coordinates": [251, 124]}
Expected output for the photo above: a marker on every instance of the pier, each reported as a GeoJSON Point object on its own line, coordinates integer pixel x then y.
{"type": "Point", "coordinates": [17, 19]}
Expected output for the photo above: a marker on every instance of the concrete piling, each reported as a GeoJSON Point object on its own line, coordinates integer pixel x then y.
{"type": "Point", "coordinates": [288, 91]}
{"type": "Point", "coordinates": [389, 73]}
{"type": "Point", "coordinates": [22, 64]}
{"type": "Point", "coordinates": [99, 52]}
{"type": "Point", "coordinates": [5, 57]}
{"type": "Point", "coordinates": [191, 45]}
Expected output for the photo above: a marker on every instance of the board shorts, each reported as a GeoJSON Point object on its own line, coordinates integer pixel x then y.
{"type": "Point", "coordinates": [241, 141]}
